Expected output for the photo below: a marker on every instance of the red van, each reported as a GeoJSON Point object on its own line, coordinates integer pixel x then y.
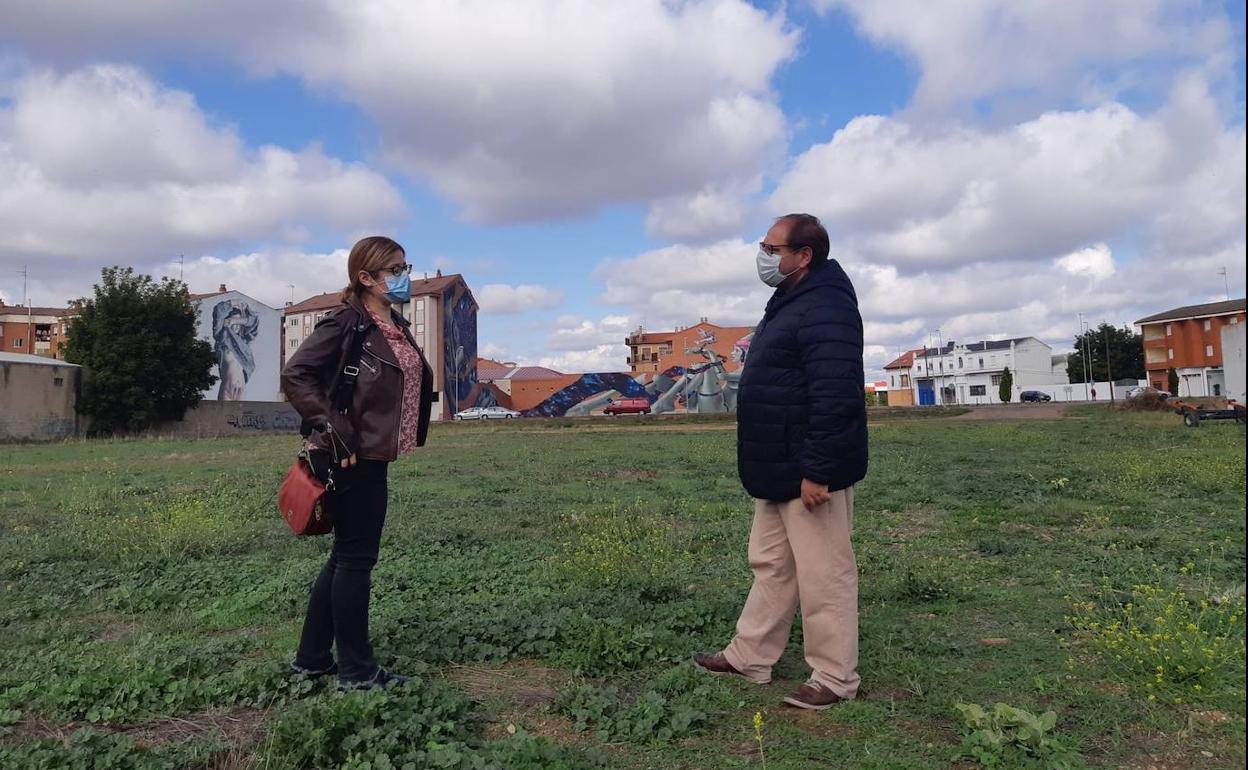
{"type": "Point", "coordinates": [628, 406]}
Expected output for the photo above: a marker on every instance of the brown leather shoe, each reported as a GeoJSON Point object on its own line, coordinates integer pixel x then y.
{"type": "Point", "coordinates": [716, 663]}
{"type": "Point", "coordinates": [813, 696]}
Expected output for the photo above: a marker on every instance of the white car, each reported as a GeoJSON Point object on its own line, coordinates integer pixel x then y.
{"type": "Point", "coordinates": [1140, 390]}
{"type": "Point", "coordinates": [487, 413]}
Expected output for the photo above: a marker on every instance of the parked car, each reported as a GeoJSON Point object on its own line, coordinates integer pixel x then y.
{"type": "Point", "coordinates": [487, 413]}
{"type": "Point", "coordinates": [1034, 396]}
{"type": "Point", "coordinates": [628, 406]}
{"type": "Point", "coordinates": [1140, 390]}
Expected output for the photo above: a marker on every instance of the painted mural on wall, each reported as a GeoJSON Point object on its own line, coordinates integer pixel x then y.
{"type": "Point", "coordinates": [234, 327]}
{"type": "Point", "coordinates": [459, 352]}
{"type": "Point", "coordinates": [246, 340]}
{"type": "Point", "coordinates": [589, 393]}
{"type": "Point", "coordinates": [702, 389]}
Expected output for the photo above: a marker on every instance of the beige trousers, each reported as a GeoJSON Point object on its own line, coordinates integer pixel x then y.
{"type": "Point", "coordinates": [802, 557]}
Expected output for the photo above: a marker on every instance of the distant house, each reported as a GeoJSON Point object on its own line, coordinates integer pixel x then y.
{"type": "Point", "coordinates": [1189, 340]}
{"type": "Point", "coordinates": [900, 391]}
{"type": "Point", "coordinates": [650, 353]}
{"type": "Point", "coordinates": [36, 331]}
{"type": "Point", "coordinates": [972, 373]}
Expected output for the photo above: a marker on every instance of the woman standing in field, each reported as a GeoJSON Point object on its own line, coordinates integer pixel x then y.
{"type": "Point", "coordinates": [367, 346]}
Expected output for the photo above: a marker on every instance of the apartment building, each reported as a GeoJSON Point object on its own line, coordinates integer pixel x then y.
{"type": "Point", "coordinates": [650, 353]}
{"type": "Point", "coordinates": [443, 314]}
{"type": "Point", "coordinates": [36, 331]}
{"type": "Point", "coordinates": [1189, 340]}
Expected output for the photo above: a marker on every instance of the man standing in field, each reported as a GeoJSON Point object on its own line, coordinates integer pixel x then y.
{"type": "Point", "coordinates": [801, 447]}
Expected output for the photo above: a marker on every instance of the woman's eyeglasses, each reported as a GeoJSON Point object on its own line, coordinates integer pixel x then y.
{"type": "Point", "coordinates": [396, 270]}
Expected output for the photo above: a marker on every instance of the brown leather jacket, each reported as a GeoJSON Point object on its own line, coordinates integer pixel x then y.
{"type": "Point", "coordinates": [371, 426]}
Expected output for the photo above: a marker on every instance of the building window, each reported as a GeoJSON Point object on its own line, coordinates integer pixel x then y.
{"type": "Point", "coordinates": [18, 342]}
{"type": "Point", "coordinates": [420, 306]}
{"type": "Point", "coordinates": [979, 390]}
{"type": "Point", "coordinates": [1208, 324]}
{"type": "Point", "coordinates": [996, 379]}
{"type": "Point", "coordinates": [905, 380]}
{"type": "Point", "coordinates": [981, 363]}
{"type": "Point", "coordinates": [294, 344]}
{"type": "Point", "coordinates": [1169, 330]}
{"type": "Point", "coordinates": [1234, 319]}
{"type": "Point", "coordinates": [892, 381]}
{"type": "Point", "coordinates": [420, 328]}
{"type": "Point", "coordinates": [959, 362]}
{"type": "Point", "coordinates": [1208, 350]}
{"type": "Point", "coordinates": [1170, 353]}
{"type": "Point", "coordinates": [58, 381]}
{"type": "Point", "coordinates": [294, 321]}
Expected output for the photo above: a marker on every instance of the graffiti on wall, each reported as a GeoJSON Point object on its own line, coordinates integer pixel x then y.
{"type": "Point", "coordinates": [589, 393]}
{"type": "Point", "coordinates": [459, 349]}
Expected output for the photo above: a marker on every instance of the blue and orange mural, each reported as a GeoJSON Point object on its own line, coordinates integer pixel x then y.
{"type": "Point", "coordinates": [702, 389]}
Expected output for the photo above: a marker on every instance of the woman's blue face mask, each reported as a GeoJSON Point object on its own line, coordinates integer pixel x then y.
{"type": "Point", "coordinates": [398, 288]}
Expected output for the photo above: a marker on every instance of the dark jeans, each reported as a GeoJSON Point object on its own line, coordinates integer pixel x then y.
{"type": "Point", "coordinates": [338, 609]}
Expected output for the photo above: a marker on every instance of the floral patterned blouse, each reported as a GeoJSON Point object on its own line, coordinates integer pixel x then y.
{"type": "Point", "coordinates": [413, 369]}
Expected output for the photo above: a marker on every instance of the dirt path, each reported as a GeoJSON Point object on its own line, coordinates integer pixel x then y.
{"type": "Point", "coordinates": [1010, 412]}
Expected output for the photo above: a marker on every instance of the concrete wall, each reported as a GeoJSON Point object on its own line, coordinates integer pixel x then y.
{"type": "Point", "coordinates": [233, 418]}
{"type": "Point", "coordinates": [37, 401]}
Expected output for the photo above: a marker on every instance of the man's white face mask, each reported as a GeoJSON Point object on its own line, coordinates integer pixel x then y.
{"type": "Point", "coordinates": [769, 269]}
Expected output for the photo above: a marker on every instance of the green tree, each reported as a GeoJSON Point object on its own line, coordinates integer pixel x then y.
{"type": "Point", "coordinates": [1126, 354]}
{"type": "Point", "coordinates": [1172, 381]}
{"type": "Point", "coordinates": [1005, 391]}
{"type": "Point", "coordinates": [143, 363]}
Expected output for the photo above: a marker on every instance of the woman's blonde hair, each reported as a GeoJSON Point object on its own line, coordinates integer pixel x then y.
{"type": "Point", "coordinates": [368, 255]}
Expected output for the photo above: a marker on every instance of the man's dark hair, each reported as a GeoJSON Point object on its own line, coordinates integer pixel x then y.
{"type": "Point", "coordinates": [808, 231]}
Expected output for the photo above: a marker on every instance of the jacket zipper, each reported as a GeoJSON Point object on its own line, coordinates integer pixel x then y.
{"type": "Point", "coordinates": [398, 419]}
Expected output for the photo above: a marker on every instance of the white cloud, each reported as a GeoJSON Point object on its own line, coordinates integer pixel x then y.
{"type": "Point", "coordinates": [600, 358]}
{"type": "Point", "coordinates": [502, 299]}
{"type": "Point", "coordinates": [515, 111]}
{"type": "Point", "coordinates": [706, 215]}
{"type": "Point", "coordinates": [103, 165]}
{"type": "Point", "coordinates": [1095, 262]}
{"type": "Point", "coordinates": [970, 50]}
{"type": "Point", "coordinates": [900, 194]}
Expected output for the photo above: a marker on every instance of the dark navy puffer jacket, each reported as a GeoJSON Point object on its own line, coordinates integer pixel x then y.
{"type": "Point", "coordinates": [801, 411]}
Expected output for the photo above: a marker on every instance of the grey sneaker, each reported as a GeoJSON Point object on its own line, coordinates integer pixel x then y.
{"type": "Point", "coordinates": [313, 673]}
{"type": "Point", "coordinates": [382, 678]}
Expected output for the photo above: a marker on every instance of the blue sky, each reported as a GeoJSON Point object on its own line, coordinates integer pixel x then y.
{"type": "Point", "coordinates": [989, 169]}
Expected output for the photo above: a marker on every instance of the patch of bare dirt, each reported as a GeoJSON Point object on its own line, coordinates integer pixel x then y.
{"type": "Point", "coordinates": [519, 694]}
{"type": "Point", "coordinates": [239, 727]}
{"type": "Point", "coordinates": [1012, 412]}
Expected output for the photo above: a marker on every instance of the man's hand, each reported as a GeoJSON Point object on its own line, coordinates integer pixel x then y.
{"type": "Point", "coordinates": [349, 462]}
{"type": "Point", "coordinates": [814, 495]}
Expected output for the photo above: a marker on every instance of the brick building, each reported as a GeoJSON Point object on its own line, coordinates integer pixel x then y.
{"type": "Point", "coordinates": [1189, 340]}
{"type": "Point", "coordinates": [652, 352]}
{"type": "Point", "coordinates": [36, 331]}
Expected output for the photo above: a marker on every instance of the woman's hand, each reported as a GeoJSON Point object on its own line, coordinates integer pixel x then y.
{"type": "Point", "coordinates": [349, 462]}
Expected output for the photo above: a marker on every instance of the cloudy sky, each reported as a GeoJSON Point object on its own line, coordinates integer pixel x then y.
{"type": "Point", "coordinates": [989, 168]}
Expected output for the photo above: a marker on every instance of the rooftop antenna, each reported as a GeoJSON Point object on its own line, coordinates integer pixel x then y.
{"type": "Point", "coordinates": [291, 286]}
{"type": "Point", "coordinates": [1226, 284]}
{"type": "Point", "coordinates": [182, 268]}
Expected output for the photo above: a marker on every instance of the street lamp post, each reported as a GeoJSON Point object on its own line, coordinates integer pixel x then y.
{"type": "Point", "coordinates": [1108, 374]}
{"type": "Point", "coordinates": [1083, 347]}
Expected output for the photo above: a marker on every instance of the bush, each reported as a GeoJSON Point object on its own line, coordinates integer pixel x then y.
{"type": "Point", "coordinates": [1165, 643]}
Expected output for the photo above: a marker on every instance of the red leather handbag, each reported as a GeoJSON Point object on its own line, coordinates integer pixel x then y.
{"type": "Point", "coordinates": [301, 499]}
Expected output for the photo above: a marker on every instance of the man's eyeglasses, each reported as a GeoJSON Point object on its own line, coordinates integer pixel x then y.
{"type": "Point", "coordinates": [770, 248]}
{"type": "Point", "coordinates": [396, 270]}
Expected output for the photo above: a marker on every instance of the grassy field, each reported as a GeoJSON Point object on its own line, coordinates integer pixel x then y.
{"type": "Point", "coordinates": [547, 583]}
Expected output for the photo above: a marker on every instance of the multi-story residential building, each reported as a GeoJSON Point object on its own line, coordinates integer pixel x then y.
{"type": "Point", "coordinates": [900, 390]}
{"type": "Point", "coordinates": [443, 314]}
{"type": "Point", "coordinates": [972, 374]}
{"type": "Point", "coordinates": [1189, 340]}
{"type": "Point", "coordinates": [33, 330]}
{"type": "Point", "coordinates": [653, 352]}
